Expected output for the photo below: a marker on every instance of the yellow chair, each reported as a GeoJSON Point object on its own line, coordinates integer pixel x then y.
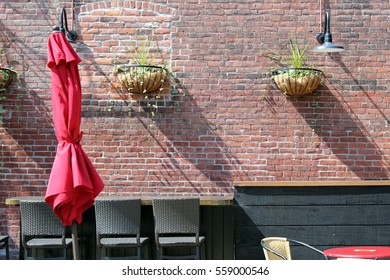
{"type": "Point", "coordinates": [278, 248]}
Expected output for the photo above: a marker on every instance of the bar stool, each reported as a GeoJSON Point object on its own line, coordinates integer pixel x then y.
{"type": "Point", "coordinates": [177, 226]}
{"type": "Point", "coordinates": [4, 245]}
{"type": "Point", "coordinates": [118, 225]}
{"type": "Point", "coordinates": [42, 230]}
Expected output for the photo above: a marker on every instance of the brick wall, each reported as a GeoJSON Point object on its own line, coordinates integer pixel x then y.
{"type": "Point", "coordinates": [226, 121]}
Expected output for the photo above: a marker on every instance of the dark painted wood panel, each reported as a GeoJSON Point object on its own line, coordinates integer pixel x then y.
{"type": "Point", "coordinates": [313, 215]}
{"type": "Point", "coordinates": [314, 196]}
{"type": "Point", "coordinates": [298, 253]}
{"type": "Point", "coordinates": [329, 236]}
{"type": "Point", "coordinates": [306, 184]}
{"type": "Point", "coordinates": [220, 232]}
{"type": "Point", "coordinates": [207, 229]}
{"type": "Point", "coordinates": [321, 216]}
{"type": "Point", "coordinates": [249, 253]}
{"type": "Point", "coordinates": [218, 246]}
{"type": "Point", "coordinates": [228, 217]}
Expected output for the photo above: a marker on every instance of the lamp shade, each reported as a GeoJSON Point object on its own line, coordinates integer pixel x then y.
{"type": "Point", "coordinates": [328, 47]}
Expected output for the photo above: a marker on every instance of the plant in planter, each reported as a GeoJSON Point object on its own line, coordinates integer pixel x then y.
{"type": "Point", "coordinates": [7, 74]}
{"type": "Point", "coordinates": [6, 77]}
{"type": "Point", "coordinates": [146, 79]}
{"type": "Point", "coordinates": [296, 78]}
{"type": "Point", "coordinates": [141, 76]}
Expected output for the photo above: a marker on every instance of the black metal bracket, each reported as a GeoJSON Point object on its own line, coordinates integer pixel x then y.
{"type": "Point", "coordinates": [320, 38]}
{"type": "Point", "coordinates": [321, 35]}
{"type": "Point", "coordinates": [63, 27]}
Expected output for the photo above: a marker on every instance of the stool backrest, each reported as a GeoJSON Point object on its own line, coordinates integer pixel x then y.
{"type": "Point", "coordinates": [38, 220]}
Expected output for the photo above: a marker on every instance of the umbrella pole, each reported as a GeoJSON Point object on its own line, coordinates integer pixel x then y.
{"type": "Point", "coordinates": [75, 243]}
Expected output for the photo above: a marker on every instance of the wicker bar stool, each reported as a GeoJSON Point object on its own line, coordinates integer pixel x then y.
{"type": "Point", "coordinates": [4, 245]}
{"type": "Point", "coordinates": [176, 224]}
{"type": "Point", "coordinates": [118, 225]}
{"type": "Point", "coordinates": [41, 229]}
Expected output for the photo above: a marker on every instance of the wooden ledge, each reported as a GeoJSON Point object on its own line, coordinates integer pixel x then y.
{"type": "Point", "coordinates": [203, 200]}
{"type": "Point", "coordinates": [15, 200]}
{"type": "Point", "coordinates": [376, 183]}
{"type": "Point", "coordinates": [145, 200]}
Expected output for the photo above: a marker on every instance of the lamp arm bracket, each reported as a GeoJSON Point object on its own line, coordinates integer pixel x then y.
{"type": "Point", "coordinates": [63, 27]}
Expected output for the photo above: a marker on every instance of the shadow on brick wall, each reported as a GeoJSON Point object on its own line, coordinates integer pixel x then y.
{"type": "Point", "coordinates": [332, 119]}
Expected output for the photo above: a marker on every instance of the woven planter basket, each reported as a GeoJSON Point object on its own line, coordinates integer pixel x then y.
{"type": "Point", "coordinates": [297, 81]}
{"type": "Point", "coordinates": [141, 79]}
{"type": "Point", "coordinates": [6, 77]}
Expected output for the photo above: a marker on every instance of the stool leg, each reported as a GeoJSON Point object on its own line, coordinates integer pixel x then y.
{"type": "Point", "coordinates": [7, 251]}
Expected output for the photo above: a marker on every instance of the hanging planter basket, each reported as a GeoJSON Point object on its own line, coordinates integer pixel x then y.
{"type": "Point", "coordinates": [141, 79]}
{"type": "Point", "coordinates": [297, 81]}
{"type": "Point", "coordinates": [6, 77]}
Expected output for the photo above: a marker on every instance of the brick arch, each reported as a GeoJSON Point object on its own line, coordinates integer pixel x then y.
{"type": "Point", "coordinates": [126, 4]}
{"type": "Point", "coordinates": [109, 31]}
{"type": "Point", "coordinates": [126, 22]}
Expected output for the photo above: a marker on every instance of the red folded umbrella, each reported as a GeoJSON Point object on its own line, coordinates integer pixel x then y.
{"type": "Point", "coordinates": [74, 182]}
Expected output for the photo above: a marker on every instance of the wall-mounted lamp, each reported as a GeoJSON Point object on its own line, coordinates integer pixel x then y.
{"type": "Point", "coordinates": [325, 39]}
{"type": "Point", "coordinates": [63, 27]}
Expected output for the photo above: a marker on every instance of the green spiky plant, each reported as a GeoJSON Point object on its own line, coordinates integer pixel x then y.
{"type": "Point", "coordinates": [142, 75]}
{"type": "Point", "coordinates": [298, 53]}
{"type": "Point", "coordinates": [7, 75]}
{"type": "Point", "coordinates": [294, 76]}
{"type": "Point", "coordinates": [146, 78]}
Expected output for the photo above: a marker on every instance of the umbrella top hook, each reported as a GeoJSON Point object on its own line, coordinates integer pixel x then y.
{"type": "Point", "coordinates": [63, 27]}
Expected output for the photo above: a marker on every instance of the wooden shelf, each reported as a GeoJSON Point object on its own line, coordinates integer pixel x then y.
{"type": "Point", "coordinates": [377, 183]}
{"type": "Point", "coordinates": [145, 200]}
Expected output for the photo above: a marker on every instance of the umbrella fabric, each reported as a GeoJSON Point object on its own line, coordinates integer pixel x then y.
{"type": "Point", "coordinates": [74, 182]}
